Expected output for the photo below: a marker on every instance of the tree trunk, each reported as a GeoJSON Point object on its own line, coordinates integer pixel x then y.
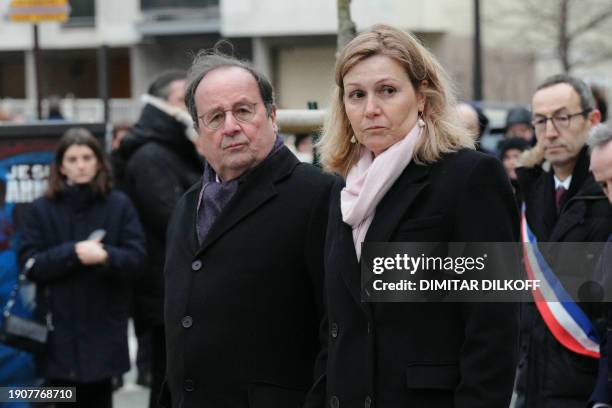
{"type": "Point", "coordinates": [346, 27]}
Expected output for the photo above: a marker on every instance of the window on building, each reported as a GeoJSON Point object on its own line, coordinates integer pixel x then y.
{"type": "Point", "coordinates": [75, 72]}
{"type": "Point", "coordinates": [82, 13]}
{"type": "Point", "coordinates": [148, 5]}
{"type": "Point", "coordinates": [12, 75]}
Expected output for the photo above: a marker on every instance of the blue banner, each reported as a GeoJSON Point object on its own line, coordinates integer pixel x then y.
{"type": "Point", "coordinates": [23, 178]}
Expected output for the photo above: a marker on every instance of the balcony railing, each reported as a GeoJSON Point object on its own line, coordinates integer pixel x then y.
{"type": "Point", "coordinates": [126, 111]}
{"type": "Point", "coordinates": [77, 110]}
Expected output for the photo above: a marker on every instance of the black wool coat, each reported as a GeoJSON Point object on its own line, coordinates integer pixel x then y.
{"type": "Point", "coordinates": [550, 374]}
{"type": "Point", "coordinates": [603, 388]}
{"type": "Point", "coordinates": [242, 309]}
{"type": "Point", "coordinates": [89, 304]}
{"type": "Point", "coordinates": [392, 355]}
{"type": "Point", "coordinates": [155, 164]}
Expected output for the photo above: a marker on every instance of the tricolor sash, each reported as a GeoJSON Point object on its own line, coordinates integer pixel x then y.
{"type": "Point", "coordinates": [563, 317]}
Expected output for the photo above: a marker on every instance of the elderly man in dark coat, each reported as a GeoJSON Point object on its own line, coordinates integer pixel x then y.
{"type": "Point", "coordinates": [244, 271]}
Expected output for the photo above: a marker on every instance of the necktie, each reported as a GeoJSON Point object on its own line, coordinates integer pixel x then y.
{"type": "Point", "coordinates": [559, 194]}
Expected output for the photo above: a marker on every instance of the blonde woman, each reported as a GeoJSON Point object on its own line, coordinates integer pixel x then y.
{"type": "Point", "coordinates": [411, 175]}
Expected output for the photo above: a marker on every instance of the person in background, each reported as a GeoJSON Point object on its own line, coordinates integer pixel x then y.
{"type": "Point", "coordinates": [411, 175]}
{"type": "Point", "coordinates": [469, 118]}
{"type": "Point", "coordinates": [120, 131]}
{"type": "Point", "coordinates": [518, 124]}
{"type": "Point", "coordinates": [475, 122]}
{"type": "Point", "coordinates": [83, 246]}
{"type": "Point", "coordinates": [158, 162]}
{"type": "Point", "coordinates": [55, 108]}
{"type": "Point", "coordinates": [601, 167]}
{"type": "Point", "coordinates": [601, 100]}
{"type": "Point", "coordinates": [304, 148]}
{"type": "Point", "coordinates": [562, 205]}
{"type": "Point", "coordinates": [510, 152]}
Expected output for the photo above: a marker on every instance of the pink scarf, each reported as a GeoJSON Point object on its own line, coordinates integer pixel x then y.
{"type": "Point", "coordinates": [369, 180]}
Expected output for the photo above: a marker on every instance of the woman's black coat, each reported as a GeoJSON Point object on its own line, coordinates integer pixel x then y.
{"type": "Point", "coordinates": [89, 304]}
{"type": "Point", "coordinates": [389, 355]}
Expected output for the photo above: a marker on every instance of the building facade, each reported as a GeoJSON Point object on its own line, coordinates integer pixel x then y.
{"type": "Point", "coordinates": [293, 42]}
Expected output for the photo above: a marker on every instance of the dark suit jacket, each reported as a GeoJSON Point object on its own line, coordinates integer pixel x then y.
{"type": "Point", "coordinates": [242, 310]}
{"type": "Point", "coordinates": [391, 355]}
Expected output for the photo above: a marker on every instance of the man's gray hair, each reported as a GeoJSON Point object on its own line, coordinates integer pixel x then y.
{"type": "Point", "coordinates": [211, 59]}
{"type": "Point", "coordinates": [587, 102]}
{"type": "Point", "coordinates": [600, 135]}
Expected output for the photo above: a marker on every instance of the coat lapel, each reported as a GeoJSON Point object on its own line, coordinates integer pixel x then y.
{"type": "Point", "coordinates": [346, 257]}
{"type": "Point", "coordinates": [568, 220]}
{"type": "Point", "coordinates": [254, 191]}
{"type": "Point", "coordinates": [389, 212]}
{"type": "Point", "coordinates": [543, 216]}
{"type": "Point", "coordinates": [191, 204]}
{"type": "Point", "coordinates": [397, 201]}
{"type": "Point", "coordinates": [582, 180]}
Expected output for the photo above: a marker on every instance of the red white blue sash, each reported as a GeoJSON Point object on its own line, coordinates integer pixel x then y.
{"type": "Point", "coordinates": [564, 318]}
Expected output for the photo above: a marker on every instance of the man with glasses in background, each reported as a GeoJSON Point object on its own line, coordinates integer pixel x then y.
{"type": "Point", "coordinates": [563, 204]}
{"type": "Point", "coordinates": [244, 264]}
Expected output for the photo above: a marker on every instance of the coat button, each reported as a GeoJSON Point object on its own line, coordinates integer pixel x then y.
{"type": "Point", "coordinates": [189, 385]}
{"type": "Point", "coordinates": [368, 402]}
{"type": "Point", "coordinates": [196, 265]}
{"type": "Point", "coordinates": [187, 321]}
{"type": "Point", "coordinates": [334, 402]}
{"type": "Point", "coordinates": [334, 330]}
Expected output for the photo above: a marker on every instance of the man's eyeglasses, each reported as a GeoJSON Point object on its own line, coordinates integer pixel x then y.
{"type": "Point", "coordinates": [559, 120]}
{"type": "Point", "coordinates": [243, 112]}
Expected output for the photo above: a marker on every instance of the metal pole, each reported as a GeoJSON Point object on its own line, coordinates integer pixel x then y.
{"type": "Point", "coordinates": [37, 73]}
{"type": "Point", "coordinates": [478, 69]}
{"type": "Point", "coordinates": [104, 80]}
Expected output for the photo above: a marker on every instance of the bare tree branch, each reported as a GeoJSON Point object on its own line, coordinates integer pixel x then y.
{"type": "Point", "coordinates": [568, 27]}
{"type": "Point", "coordinates": [535, 11]}
{"type": "Point", "coordinates": [593, 23]}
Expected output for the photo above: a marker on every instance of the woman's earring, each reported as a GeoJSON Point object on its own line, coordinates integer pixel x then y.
{"type": "Point", "coordinates": [353, 140]}
{"type": "Point", "coordinates": [420, 121]}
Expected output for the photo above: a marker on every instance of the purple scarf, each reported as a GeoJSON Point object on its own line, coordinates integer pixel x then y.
{"type": "Point", "coordinates": [214, 196]}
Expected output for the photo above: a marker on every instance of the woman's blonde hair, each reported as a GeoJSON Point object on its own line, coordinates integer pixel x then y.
{"type": "Point", "coordinates": [443, 132]}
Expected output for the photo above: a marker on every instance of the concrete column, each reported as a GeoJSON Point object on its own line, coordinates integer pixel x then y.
{"type": "Point", "coordinates": [138, 72]}
{"type": "Point", "coordinates": [30, 76]}
{"type": "Point", "coordinates": [262, 58]}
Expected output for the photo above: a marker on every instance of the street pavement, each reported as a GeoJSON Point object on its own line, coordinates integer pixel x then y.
{"type": "Point", "coordinates": [131, 395]}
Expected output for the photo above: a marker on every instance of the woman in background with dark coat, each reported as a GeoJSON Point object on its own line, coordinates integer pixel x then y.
{"type": "Point", "coordinates": [412, 175]}
{"type": "Point", "coordinates": [83, 244]}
